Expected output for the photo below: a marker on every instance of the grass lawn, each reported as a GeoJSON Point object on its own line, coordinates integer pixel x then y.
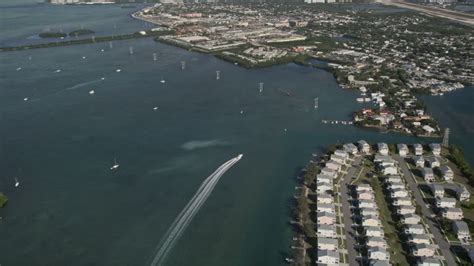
{"type": "Point", "coordinates": [393, 241]}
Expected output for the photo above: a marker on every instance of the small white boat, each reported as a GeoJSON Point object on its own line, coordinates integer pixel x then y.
{"type": "Point", "coordinates": [163, 80]}
{"type": "Point", "coordinates": [155, 108]}
{"type": "Point", "coordinates": [102, 50]}
{"type": "Point", "coordinates": [118, 70]}
{"type": "Point", "coordinates": [115, 166]}
{"type": "Point", "coordinates": [25, 99]}
{"type": "Point", "coordinates": [17, 183]}
{"type": "Point", "coordinates": [29, 57]}
{"type": "Point", "coordinates": [102, 78]}
{"type": "Point", "coordinates": [240, 156]}
{"type": "Point", "coordinates": [241, 111]}
{"type": "Point", "coordinates": [83, 57]}
{"type": "Point", "coordinates": [285, 130]}
{"type": "Point", "coordinates": [57, 71]}
{"type": "Point", "coordinates": [92, 92]}
{"type": "Point", "coordinates": [18, 69]}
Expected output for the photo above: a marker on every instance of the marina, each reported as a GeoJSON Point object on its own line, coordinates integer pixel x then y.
{"type": "Point", "coordinates": [337, 122]}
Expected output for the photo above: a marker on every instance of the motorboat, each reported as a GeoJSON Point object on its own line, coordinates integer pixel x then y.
{"type": "Point", "coordinates": [115, 166]}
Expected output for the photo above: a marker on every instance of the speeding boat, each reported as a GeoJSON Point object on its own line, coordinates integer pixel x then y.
{"type": "Point", "coordinates": [240, 156]}
{"type": "Point", "coordinates": [115, 166]}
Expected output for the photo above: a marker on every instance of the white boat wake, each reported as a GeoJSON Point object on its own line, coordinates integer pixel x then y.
{"type": "Point", "coordinates": [184, 218]}
{"type": "Point", "coordinates": [77, 86]}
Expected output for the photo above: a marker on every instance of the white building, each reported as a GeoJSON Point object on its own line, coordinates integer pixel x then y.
{"type": "Point", "coordinates": [325, 230]}
{"type": "Point", "coordinates": [428, 174]}
{"type": "Point", "coordinates": [432, 162]}
{"type": "Point", "coordinates": [374, 231]}
{"type": "Point", "coordinates": [325, 243]}
{"type": "Point", "coordinates": [429, 262]}
{"type": "Point", "coordinates": [377, 253]}
{"type": "Point", "coordinates": [350, 148]}
{"type": "Point", "coordinates": [328, 218]}
{"type": "Point", "coordinates": [326, 207]}
{"type": "Point", "coordinates": [462, 193]}
{"type": "Point", "coordinates": [437, 190]}
{"type": "Point", "coordinates": [414, 229]}
{"type": "Point", "coordinates": [445, 202]}
{"type": "Point", "coordinates": [402, 149]}
{"type": "Point", "coordinates": [328, 257]}
{"type": "Point", "coordinates": [371, 221]}
{"type": "Point", "coordinates": [323, 187]}
{"type": "Point", "coordinates": [419, 161]}
{"type": "Point", "coordinates": [452, 213]}
{"type": "Point", "coordinates": [447, 173]}
{"type": "Point", "coordinates": [376, 241]}
{"type": "Point", "coordinates": [405, 209]}
{"type": "Point", "coordinates": [367, 204]}
{"type": "Point", "coordinates": [418, 149]}
{"type": "Point", "coordinates": [325, 198]}
{"type": "Point", "coordinates": [382, 148]}
{"type": "Point", "coordinates": [402, 202]}
{"type": "Point", "coordinates": [389, 170]}
{"type": "Point", "coordinates": [410, 218]}
{"type": "Point", "coordinates": [364, 147]}
{"type": "Point", "coordinates": [435, 149]}
{"type": "Point", "coordinates": [461, 230]}
{"type": "Point", "coordinates": [399, 193]}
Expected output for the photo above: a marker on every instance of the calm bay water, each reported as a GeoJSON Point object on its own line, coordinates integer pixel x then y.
{"type": "Point", "coordinates": [72, 210]}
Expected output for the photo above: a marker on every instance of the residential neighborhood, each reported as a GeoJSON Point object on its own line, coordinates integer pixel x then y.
{"type": "Point", "coordinates": [385, 204]}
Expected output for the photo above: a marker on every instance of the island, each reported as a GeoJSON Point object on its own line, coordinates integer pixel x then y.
{"type": "Point", "coordinates": [51, 34]}
{"type": "Point", "coordinates": [3, 199]}
{"type": "Point", "coordinates": [404, 204]}
{"type": "Point", "coordinates": [406, 54]}
{"type": "Point", "coordinates": [80, 32]}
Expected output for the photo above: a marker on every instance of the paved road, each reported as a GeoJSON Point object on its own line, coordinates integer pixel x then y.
{"type": "Point", "coordinates": [458, 16]}
{"type": "Point", "coordinates": [350, 233]}
{"type": "Point", "coordinates": [439, 238]}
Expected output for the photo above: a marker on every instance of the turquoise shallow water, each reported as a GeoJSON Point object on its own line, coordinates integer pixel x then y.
{"type": "Point", "coordinates": [72, 210]}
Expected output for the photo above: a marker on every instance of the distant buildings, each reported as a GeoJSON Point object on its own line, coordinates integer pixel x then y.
{"type": "Point", "coordinates": [68, 2]}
